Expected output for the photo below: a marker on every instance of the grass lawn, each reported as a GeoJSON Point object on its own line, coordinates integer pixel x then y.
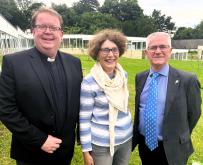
{"type": "Point", "coordinates": [132, 66]}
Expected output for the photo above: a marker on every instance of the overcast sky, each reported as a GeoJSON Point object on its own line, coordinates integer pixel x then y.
{"type": "Point", "coordinates": [187, 13]}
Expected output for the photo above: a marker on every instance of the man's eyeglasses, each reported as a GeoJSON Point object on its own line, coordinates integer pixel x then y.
{"type": "Point", "coordinates": [44, 27]}
{"type": "Point", "coordinates": [155, 47]}
{"type": "Point", "coordinates": [106, 51]}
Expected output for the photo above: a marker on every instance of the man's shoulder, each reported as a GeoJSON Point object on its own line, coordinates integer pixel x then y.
{"type": "Point", "coordinates": [182, 73]}
{"type": "Point", "coordinates": [19, 54]}
{"type": "Point", "coordinates": [142, 73]}
{"type": "Point", "coordinates": [69, 56]}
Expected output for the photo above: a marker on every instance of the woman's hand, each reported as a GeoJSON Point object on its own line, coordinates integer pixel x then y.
{"type": "Point", "coordinates": [88, 160]}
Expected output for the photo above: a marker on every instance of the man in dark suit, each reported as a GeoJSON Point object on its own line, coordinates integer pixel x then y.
{"type": "Point", "coordinates": [39, 96]}
{"type": "Point", "coordinates": [168, 106]}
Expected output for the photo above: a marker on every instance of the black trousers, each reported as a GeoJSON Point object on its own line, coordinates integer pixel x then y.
{"type": "Point", "coordinates": [148, 157]}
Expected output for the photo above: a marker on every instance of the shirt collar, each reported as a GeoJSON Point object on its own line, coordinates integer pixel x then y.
{"type": "Point", "coordinates": [164, 71]}
{"type": "Point", "coordinates": [47, 59]}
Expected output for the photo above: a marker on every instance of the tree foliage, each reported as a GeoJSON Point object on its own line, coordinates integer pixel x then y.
{"type": "Point", "coordinates": [198, 31]}
{"type": "Point", "coordinates": [163, 22]}
{"type": "Point", "coordinates": [183, 33]}
{"type": "Point", "coordinates": [124, 10]}
{"type": "Point", "coordinates": [87, 17]}
{"type": "Point", "coordinates": [145, 25]}
{"type": "Point", "coordinates": [18, 12]}
{"type": "Point", "coordinates": [9, 10]}
{"type": "Point", "coordinates": [68, 14]}
{"type": "Point", "coordinates": [190, 33]}
{"type": "Point", "coordinates": [23, 5]}
{"type": "Point", "coordinates": [129, 13]}
{"type": "Point", "coordinates": [93, 22]}
{"type": "Point", "coordinates": [85, 6]}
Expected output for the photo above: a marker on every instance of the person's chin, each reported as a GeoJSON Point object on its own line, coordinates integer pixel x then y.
{"type": "Point", "coordinates": [111, 66]}
{"type": "Point", "coordinates": [47, 46]}
{"type": "Point", "coordinates": [158, 61]}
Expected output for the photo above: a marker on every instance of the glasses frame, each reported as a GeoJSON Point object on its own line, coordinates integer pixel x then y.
{"type": "Point", "coordinates": [106, 51]}
{"type": "Point", "coordinates": [50, 27]}
{"type": "Point", "coordinates": [155, 47]}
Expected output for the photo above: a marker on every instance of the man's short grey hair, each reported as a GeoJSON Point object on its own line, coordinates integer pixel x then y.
{"type": "Point", "coordinates": [164, 34]}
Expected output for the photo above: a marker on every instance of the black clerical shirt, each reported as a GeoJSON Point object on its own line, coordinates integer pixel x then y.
{"type": "Point", "coordinates": [58, 87]}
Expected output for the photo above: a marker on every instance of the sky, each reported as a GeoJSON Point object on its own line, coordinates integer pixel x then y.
{"type": "Point", "coordinates": [187, 13]}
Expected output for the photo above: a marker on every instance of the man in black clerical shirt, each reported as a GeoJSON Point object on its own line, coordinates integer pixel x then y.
{"type": "Point", "coordinates": [39, 96]}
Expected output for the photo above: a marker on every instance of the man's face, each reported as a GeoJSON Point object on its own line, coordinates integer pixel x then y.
{"type": "Point", "coordinates": [158, 51]}
{"type": "Point", "coordinates": [47, 34]}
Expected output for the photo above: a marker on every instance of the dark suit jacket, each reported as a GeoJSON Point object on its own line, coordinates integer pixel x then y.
{"type": "Point", "coordinates": [182, 111]}
{"type": "Point", "coordinates": [27, 108]}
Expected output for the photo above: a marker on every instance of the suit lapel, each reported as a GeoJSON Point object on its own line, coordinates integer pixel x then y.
{"type": "Point", "coordinates": [40, 70]}
{"type": "Point", "coordinates": [141, 82]}
{"type": "Point", "coordinates": [172, 88]}
{"type": "Point", "coordinates": [67, 67]}
{"type": "Point", "coordinates": [140, 85]}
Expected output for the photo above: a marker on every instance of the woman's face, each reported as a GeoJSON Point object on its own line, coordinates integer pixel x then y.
{"type": "Point", "coordinates": [108, 56]}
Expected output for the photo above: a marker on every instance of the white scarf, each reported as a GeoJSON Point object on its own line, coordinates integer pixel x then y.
{"type": "Point", "coordinates": [116, 91]}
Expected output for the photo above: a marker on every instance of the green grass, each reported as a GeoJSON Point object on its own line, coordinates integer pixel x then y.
{"type": "Point", "coordinates": [132, 66]}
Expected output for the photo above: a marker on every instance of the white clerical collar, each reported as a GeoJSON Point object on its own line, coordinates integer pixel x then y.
{"type": "Point", "coordinates": [50, 59]}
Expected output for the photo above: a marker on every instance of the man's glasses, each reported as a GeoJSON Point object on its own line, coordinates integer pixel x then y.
{"type": "Point", "coordinates": [44, 28]}
{"type": "Point", "coordinates": [106, 51]}
{"type": "Point", "coordinates": [155, 47]}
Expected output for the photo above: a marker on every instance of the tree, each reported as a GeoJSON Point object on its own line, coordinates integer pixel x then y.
{"type": "Point", "coordinates": [87, 17]}
{"type": "Point", "coordinates": [110, 7]}
{"type": "Point", "coordinates": [69, 16]}
{"type": "Point", "coordinates": [9, 10]}
{"type": "Point", "coordinates": [183, 33]}
{"type": "Point", "coordinates": [190, 33]}
{"type": "Point", "coordinates": [93, 22]}
{"type": "Point", "coordinates": [19, 12]}
{"type": "Point", "coordinates": [145, 25]}
{"type": "Point", "coordinates": [163, 22]}
{"type": "Point", "coordinates": [142, 27]}
{"type": "Point", "coordinates": [198, 31]}
{"type": "Point", "coordinates": [86, 6]}
{"type": "Point", "coordinates": [123, 10]}
{"type": "Point", "coordinates": [128, 12]}
{"type": "Point", "coordinates": [28, 13]}
{"type": "Point", "coordinates": [23, 5]}
{"type": "Point", "coordinates": [24, 16]}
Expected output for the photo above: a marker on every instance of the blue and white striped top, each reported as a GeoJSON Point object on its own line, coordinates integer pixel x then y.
{"type": "Point", "coordinates": [94, 118]}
